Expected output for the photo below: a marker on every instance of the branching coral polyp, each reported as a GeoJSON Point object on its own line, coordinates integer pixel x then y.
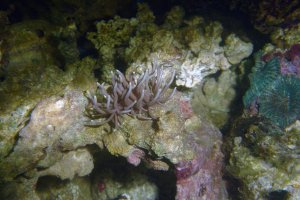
{"type": "Point", "coordinates": [132, 95]}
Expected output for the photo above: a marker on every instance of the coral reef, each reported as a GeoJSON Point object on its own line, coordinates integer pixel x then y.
{"type": "Point", "coordinates": [266, 16]}
{"type": "Point", "coordinates": [263, 156]}
{"type": "Point", "coordinates": [61, 13]}
{"type": "Point", "coordinates": [200, 178]}
{"type": "Point", "coordinates": [214, 97]}
{"type": "Point", "coordinates": [289, 59]}
{"type": "Point", "coordinates": [191, 46]}
{"type": "Point", "coordinates": [51, 187]}
{"type": "Point", "coordinates": [56, 132]}
{"type": "Point", "coordinates": [274, 86]}
{"type": "Point", "coordinates": [49, 151]}
{"type": "Point", "coordinates": [193, 70]}
{"type": "Point", "coordinates": [43, 128]}
{"type": "Point", "coordinates": [110, 36]}
{"type": "Point", "coordinates": [286, 37]}
{"type": "Point", "coordinates": [263, 74]}
{"type": "Point", "coordinates": [79, 163]}
{"type": "Point", "coordinates": [110, 185]}
{"type": "Point", "coordinates": [264, 164]}
{"type": "Point", "coordinates": [47, 123]}
{"type": "Point", "coordinates": [236, 49]}
{"type": "Point", "coordinates": [31, 73]}
{"type": "Point", "coordinates": [198, 159]}
{"type": "Point", "coordinates": [45, 144]}
{"type": "Point", "coordinates": [32, 66]}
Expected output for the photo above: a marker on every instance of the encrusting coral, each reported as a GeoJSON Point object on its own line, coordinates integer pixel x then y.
{"type": "Point", "coordinates": [133, 95]}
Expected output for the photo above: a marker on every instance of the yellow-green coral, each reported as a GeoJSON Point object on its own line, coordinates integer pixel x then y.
{"type": "Point", "coordinates": [264, 163]}
{"type": "Point", "coordinates": [215, 97]}
{"type": "Point", "coordinates": [285, 38]}
{"type": "Point", "coordinates": [192, 45]}
{"type": "Point", "coordinates": [109, 36]}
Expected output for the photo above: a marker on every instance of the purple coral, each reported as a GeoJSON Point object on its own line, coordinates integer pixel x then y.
{"type": "Point", "coordinates": [133, 95]}
{"type": "Point", "coordinates": [293, 55]}
{"type": "Point", "coordinates": [135, 157]}
{"type": "Point", "coordinates": [201, 177]}
{"type": "Point", "coordinates": [289, 60]}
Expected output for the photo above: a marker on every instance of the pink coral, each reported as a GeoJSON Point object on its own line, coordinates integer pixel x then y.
{"type": "Point", "coordinates": [201, 177]}
{"type": "Point", "coordinates": [289, 60]}
{"type": "Point", "coordinates": [135, 157]}
{"type": "Point", "coordinates": [101, 186]}
{"type": "Point", "coordinates": [187, 169]}
{"type": "Point", "coordinates": [293, 52]}
{"type": "Point", "coordinates": [186, 108]}
{"type": "Point", "coordinates": [290, 64]}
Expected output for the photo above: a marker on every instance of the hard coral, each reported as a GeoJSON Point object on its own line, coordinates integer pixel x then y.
{"type": "Point", "coordinates": [133, 95]}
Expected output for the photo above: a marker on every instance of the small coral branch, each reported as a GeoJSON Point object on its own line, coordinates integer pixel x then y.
{"type": "Point", "coordinates": [131, 95]}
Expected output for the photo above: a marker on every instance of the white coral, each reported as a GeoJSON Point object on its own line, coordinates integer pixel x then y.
{"type": "Point", "coordinates": [193, 70]}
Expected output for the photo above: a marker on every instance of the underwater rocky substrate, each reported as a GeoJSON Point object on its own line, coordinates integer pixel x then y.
{"type": "Point", "coordinates": [47, 151]}
{"type": "Point", "coordinates": [111, 178]}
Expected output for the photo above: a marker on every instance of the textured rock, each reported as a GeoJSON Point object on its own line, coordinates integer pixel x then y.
{"type": "Point", "coordinates": [286, 37]}
{"type": "Point", "coordinates": [79, 162]}
{"type": "Point", "coordinates": [213, 99]}
{"type": "Point", "coordinates": [236, 49]}
{"type": "Point", "coordinates": [45, 132]}
{"type": "Point", "coordinates": [192, 47]}
{"type": "Point", "coordinates": [50, 141]}
{"type": "Point", "coordinates": [269, 15]}
{"type": "Point", "coordinates": [187, 142]}
{"type": "Point", "coordinates": [56, 125]}
{"type": "Point", "coordinates": [51, 187]}
{"type": "Point", "coordinates": [201, 177]}
{"type": "Point", "coordinates": [193, 70]}
{"type": "Point", "coordinates": [265, 160]}
{"type": "Point", "coordinates": [167, 140]}
{"type": "Point", "coordinates": [108, 185]}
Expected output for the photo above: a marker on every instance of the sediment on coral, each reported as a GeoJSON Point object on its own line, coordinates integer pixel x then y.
{"type": "Point", "coordinates": [133, 95]}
